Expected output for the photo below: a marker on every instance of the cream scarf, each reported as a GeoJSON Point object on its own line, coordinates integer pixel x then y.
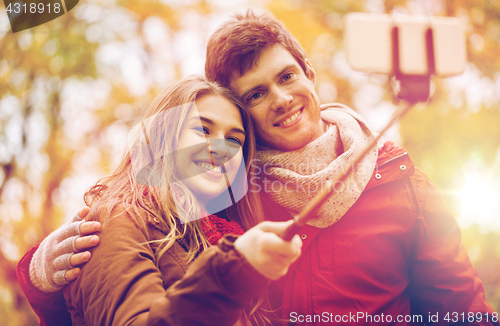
{"type": "Point", "coordinates": [291, 179]}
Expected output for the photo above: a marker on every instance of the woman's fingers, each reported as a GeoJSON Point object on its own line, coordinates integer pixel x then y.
{"type": "Point", "coordinates": [266, 251]}
{"type": "Point", "coordinates": [278, 248]}
{"type": "Point", "coordinates": [86, 242]}
{"type": "Point", "coordinates": [275, 227]}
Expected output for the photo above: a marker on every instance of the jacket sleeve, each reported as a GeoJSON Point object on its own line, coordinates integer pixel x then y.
{"type": "Point", "coordinates": [49, 307]}
{"type": "Point", "coordinates": [443, 280]}
{"type": "Point", "coordinates": [121, 284]}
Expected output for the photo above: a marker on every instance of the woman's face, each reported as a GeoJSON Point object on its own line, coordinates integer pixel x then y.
{"type": "Point", "coordinates": [210, 143]}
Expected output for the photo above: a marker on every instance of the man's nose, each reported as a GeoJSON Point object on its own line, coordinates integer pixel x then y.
{"type": "Point", "coordinates": [281, 98]}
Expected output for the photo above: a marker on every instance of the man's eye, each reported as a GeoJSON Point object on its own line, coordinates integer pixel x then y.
{"type": "Point", "coordinates": [287, 76]}
{"type": "Point", "coordinates": [254, 96]}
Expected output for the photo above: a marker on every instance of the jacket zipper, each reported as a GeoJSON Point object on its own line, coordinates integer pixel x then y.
{"type": "Point", "coordinates": [420, 217]}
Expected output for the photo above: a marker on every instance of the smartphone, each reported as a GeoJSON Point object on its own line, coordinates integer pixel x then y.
{"type": "Point", "coordinates": [370, 40]}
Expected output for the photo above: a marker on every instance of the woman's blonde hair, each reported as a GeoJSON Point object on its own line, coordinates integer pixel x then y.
{"type": "Point", "coordinates": [145, 179]}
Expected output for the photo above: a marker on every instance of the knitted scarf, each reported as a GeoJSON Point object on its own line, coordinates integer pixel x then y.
{"type": "Point", "coordinates": [215, 228]}
{"type": "Point", "coordinates": [292, 179]}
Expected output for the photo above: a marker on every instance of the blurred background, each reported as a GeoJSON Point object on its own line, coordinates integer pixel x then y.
{"type": "Point", "coordinates": [70, 90]}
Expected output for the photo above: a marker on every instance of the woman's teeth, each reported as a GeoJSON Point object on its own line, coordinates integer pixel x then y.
{"type": "Point", "coordinates": [210, 167]}
{"type": "Point", "coordinates": [291, 119]}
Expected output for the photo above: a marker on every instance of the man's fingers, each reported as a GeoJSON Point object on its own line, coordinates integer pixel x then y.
{"type": "Point", "coordinates": [79, 258]}
{"type": "Point", "coordinates": [83, 213]}
{"type": "Point", "coordinates": [87, 228]}
{"type": "Point", "coordinates": [86, 242]}
{"type": "Point", "coordinates": [72, 274]}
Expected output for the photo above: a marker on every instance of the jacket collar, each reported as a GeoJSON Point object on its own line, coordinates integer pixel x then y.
{"type": "Point", "coordinates": [393, 163]}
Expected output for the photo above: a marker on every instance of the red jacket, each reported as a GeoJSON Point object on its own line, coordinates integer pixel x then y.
{"type": "Point", "coordinates": [396, 252]}
{"type": "Point", "coordinates": [49, 307]}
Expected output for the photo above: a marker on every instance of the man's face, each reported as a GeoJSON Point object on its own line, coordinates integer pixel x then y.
{"type": "Point", "coordinates": [281, 100]}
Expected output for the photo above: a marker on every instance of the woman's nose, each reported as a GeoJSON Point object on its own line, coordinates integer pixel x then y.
{"type": "Point", "coordinates": [217, 147]}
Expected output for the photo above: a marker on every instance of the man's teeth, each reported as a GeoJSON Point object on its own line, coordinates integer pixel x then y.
{"type": "Point", "coordinates": [210, 167]}
{"type": "Point", "coordinates": [291, 119]}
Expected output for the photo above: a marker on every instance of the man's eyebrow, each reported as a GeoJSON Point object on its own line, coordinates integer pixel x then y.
{"type": "Point", "coordinates": [238, 130]}
{"type": "Point", "coordinates": [291, 65]}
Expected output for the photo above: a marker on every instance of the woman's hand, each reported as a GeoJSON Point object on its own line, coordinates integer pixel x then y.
{"type": "Point", "coordinates": [59, 257]}
{"type": "Point", "coordinates": [266, 251]}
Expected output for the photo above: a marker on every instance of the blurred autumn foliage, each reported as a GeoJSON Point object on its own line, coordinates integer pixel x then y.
{"type": "Point", "coordinates": [71, 88]}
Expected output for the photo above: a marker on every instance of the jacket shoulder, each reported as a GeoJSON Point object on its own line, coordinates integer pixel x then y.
{"type": "Point", "coordinates": [393, 163]}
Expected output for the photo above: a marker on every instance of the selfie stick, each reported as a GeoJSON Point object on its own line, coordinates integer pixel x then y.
{"type": "Point", "coordinates": [413, 89]}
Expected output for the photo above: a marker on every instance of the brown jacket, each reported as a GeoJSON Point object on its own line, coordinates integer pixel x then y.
{"type": "Point", "coordinates": [121, 284]}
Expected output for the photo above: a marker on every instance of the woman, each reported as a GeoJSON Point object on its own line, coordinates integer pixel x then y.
{"type": "Point", "coordinates": [155, 214]}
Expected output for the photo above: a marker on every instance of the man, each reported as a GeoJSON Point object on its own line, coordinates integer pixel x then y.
{"type": "Point", "coordinates": [384, 249]}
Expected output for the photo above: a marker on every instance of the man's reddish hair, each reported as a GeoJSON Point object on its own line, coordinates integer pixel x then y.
{"type": "Point", "coordinates": [236, 46]}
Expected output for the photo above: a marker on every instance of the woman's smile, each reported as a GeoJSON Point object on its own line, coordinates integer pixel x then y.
{"type": "Point", "coordinates": [214, 170]}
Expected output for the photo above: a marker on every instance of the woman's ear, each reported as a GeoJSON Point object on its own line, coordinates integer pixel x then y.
{"type": "Point", "coordinates": [312, 73]}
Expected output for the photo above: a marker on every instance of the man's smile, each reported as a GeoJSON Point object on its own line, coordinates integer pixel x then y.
{"type": "Point", "coordinates": [288, 121]}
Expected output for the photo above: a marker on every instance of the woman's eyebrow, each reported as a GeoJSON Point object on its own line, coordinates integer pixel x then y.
{"type": "Point", "coordinates": [207, 120]}
{"type": "Point", "coordinates": [238, 130]}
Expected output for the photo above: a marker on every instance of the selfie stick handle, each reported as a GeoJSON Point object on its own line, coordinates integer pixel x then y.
{"type": "Point", "coordinates": [308, 212]}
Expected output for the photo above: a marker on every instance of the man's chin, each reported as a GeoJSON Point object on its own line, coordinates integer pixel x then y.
{"type": "Point", "coordinates": [287, 144]}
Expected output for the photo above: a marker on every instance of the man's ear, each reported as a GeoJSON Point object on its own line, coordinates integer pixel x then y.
{"type": "Point", "coordinates": [312, 73]}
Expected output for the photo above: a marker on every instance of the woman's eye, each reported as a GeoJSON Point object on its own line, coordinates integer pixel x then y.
{"type": "Point", "coordinates": [202, 130]}
{"type": "Point", "coordinates": [235, 141]}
